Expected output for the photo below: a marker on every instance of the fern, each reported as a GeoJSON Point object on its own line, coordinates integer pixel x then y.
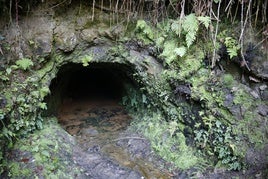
{"type": "Point", "coordinates": [181, 51]}
{"type": "Point", "coordinates": [168, 51]}
{"type": "Point", "coordinates": [205, 20]}
{"type": "Point", "coordinates": [190, 26]}
{"type": "Point", "coordinates": [24, 63]}
{"type": "Point", "coordinates": [176, 27]}
{"type": "Point", "coordinates": [232, 46]}
{"type": "Point", "coordinates": [145, 29]}
{"type": "Point", "coordinates": [86, 59]}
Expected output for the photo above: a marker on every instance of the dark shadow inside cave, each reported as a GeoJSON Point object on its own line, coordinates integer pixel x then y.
{"type": "Point", "coordinates": [98, 81]}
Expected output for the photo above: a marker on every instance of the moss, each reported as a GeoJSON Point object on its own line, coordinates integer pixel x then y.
{"type": "Point", "coordinates": [252, 128]}
{"type": "Point", "coordinates": [242, 98]}
{"type": "Point", "coordinates": [190, 64]}
{"type": "Point", "coordinates": [167, 141]}
{"type": "Point", "coordinates": [228, 80]}
{"type": "Point", "coordinates": [17, 171]}
{"type": "Point", "coordinates": [48, 149]}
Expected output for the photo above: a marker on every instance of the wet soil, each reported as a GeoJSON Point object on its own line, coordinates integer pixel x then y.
{"type": "Point", "coordinates": [105, 148]}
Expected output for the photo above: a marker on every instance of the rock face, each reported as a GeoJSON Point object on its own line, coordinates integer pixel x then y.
{"type": "Point", "coordinates": [259, 67]}
{"type": "Point", "coordinates": [74, 34]}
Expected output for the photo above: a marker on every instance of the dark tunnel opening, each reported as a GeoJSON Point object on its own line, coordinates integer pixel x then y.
{"type": "Point", "coordinates": [88, 83]}
{"type": "Point", "coordinates": [98, 81]}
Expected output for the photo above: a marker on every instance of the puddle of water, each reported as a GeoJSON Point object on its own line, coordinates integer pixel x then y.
{"type": "Point", "coordinates": [97, 125]}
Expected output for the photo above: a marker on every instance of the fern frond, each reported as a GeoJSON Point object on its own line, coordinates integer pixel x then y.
{"type": "Point", "coordinates": [168, 51]}
{"type": "Point", "coordinates": [205, 20]}
{"type": "Point", "coordinates": [176, 27]}
{"type": "Point", "coordinates": [181, 51]}
{"type": "Point", "coordinates": [190, 26]}
{"type": "Point", "coordinates": [141, 24]}
{"type": "Point", "coordinates": [24, 63]}
{"type": "Point", "coordinates": [143, 27]}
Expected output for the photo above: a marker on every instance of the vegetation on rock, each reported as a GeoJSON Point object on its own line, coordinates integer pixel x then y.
{"type": "Point", "coordinates": [194, 113]}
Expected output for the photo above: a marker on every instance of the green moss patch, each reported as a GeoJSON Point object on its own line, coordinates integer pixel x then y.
{"type": "Point", "coordinates": [45, 153]}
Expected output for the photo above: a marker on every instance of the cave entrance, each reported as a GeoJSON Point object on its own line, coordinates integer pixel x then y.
{"type": "Point", "coordinates": [97, 82]}
{"type": "Point", "coordinates": [87, 98]}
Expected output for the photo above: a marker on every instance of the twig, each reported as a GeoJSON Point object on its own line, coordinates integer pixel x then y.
{"type": "Point", "coordinates": [257, 13]}
{"type": "Point", "coordinates": [236, 10]}
{"type": "Point", "coordinates": [10, 12]}
{"type": "Point", "coordinates": [57, 4]}
{"type": "Point", "coordinates": [1, 51]}
{"type": "Point", "coordinates": [215, 36]}
{"type": "Point", "coordinates": [93, 8]}
{"type": "Point", "coordinates": [260, 42]}
{"type": "Point", "coordinates": [243, 26]}
{"type": "Point", "coordinates": [17, 12]}
{"type": "Point", "coordinates": [170, 2]}
{"type": "Point", "coordinates": [229, 9]}
{"type": "Point", "coordinates": [229, 5]}
{"type": "Point", "coordinates": [116, 11]}
{"type": "Point", "coordinates": [123, 138]}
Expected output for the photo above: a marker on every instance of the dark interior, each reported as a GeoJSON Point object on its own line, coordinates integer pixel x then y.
{"type": "Point", "coordinates": [98, 81]}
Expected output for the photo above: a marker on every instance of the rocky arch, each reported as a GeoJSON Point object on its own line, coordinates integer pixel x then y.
{"type": "Point", "coordinates": [97, 81]}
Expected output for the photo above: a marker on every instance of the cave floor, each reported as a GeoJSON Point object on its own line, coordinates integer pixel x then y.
{"type": "Point", "coordinates": [105, 148]}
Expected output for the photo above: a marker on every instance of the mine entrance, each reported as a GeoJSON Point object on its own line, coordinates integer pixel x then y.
{"type": "Point", "coordinates": [98, 81]}
{"type": "Point", "coordinates": [90, 96]}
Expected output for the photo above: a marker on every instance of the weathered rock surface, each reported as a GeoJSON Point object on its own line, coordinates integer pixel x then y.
{"type": "Point", "coordinates": [74, 35]}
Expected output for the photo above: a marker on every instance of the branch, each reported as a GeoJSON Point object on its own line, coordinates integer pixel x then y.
{"type": "Point", "coordinates": [243, 26]}
{"type": "Point", "coordinates": [215, 35]}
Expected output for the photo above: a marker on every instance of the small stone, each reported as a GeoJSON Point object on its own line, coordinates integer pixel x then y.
{"type": "Point", "coordinates": [234, 89]}
{"type": "Point", "coordinates": [263, 110]}
{"type": "Point", "coordinates": [255, 94]}
{"type": "Point", "coordinates": [228, 100]}
{"type": "Point", "coordinates": [263, 87]}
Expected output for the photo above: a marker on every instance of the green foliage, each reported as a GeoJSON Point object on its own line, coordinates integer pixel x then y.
{"type": "Point", "coordinates": [24, 63]}
{"type": "Point", "coordinates": [232, 46]}
{"type": "Point", "coordinates": [168, 51]}
{"type": "Point", "coordinates": [167, 142]}
{"type": "Point", "coordinates": [189, 65]}
{"type": "Point", "coordinates": [205, 20]}
{"type": "Point", "coordinates": [86, 59]}
{"type": "Point", "coordinates": [228, 80]}
{"type": "Point", "coordinates": [24, 102]}
{"type": "Point", "coordinates": [134, 99]}
{"type": "Point", "coordinates": [181, 51]}
{"type": "Point", "coordinates": [4, 75]}
{"type": "Point", "coordinates": [144, 32]}
{"type": "Point", "coordinates": [47, 149]}
{"type": "Point", "coordinates": [189, 26]}
{"type": "Point", "coordinates": [16, 171]}
{"type": "Point", "coordinates": [241, 97]}
{"type": "Point", "coordinates": [217, 139]}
